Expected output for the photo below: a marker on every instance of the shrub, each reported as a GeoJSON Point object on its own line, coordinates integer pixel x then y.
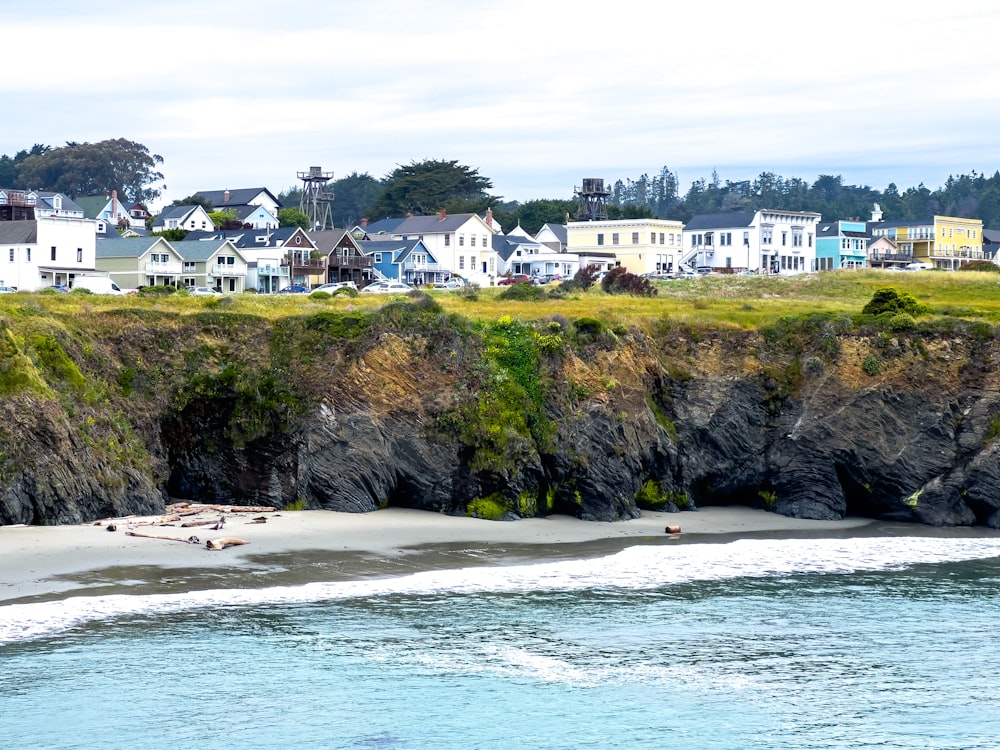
{"type": "Point", "coordinates": [320, 295]}
{"type": "Point", "coordinates": [522, 291]}
{"type": "Point", "coordinates": [888, 300]}
{"type": "Point", "coordinates": [583, 279]}
{"type": "Point", "coordinates": [871, 366]}
{"type": "Point", "coordinates": [620, 281]}
{"type": "Point", "coordinates": [980, 265]}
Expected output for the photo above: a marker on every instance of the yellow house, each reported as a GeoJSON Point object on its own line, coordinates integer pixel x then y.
{"type": "Point", "coordinates": [640, 245]}
{"type": "Point", "coordinates": [945, 242]}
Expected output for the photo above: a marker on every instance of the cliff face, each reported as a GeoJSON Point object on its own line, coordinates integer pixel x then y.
{"type": "Point", "coordinates": [413, 408]}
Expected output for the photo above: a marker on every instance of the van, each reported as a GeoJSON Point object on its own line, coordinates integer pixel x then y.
{"type": "Point", "coordinates": [96, 284]}
{"type": "Point", "coordinates": [918, 266]}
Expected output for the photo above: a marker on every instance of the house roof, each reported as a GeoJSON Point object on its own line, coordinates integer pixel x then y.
{"type": "Point", "coordinates": [720, 221]}
{"type": "Point", "coordinates": [44, 200]}
{"type": "Point", "coordinates": [238, 197]}
{"type": "Point", "coordinates": [398, 248]}
{"type": "Point", "coordinates": [176, 212]}
{"type": "Point", "coordinates": [23, 232]}
{"type": "Point", "coordinates": [435, 224]}
{"type": "Point", "coordinates": [326, 240]}
{"type": "Point", "coordinates": [383, 226]}
{"type": "Point", "coordinates": [559, 230]}
{"type": "Point", "coordinates": [203, 249]}
{"type": "Point", "coordinates": [92, 204]}
{"type": "Point", "coordinates": [991, 236]}
{"type": "Point", "coordinates": [127, 247]}
{"type": "Point", "coordinates": [506, 245]}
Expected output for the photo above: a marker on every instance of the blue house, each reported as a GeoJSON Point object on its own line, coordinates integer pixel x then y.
{"type": "Point", "coordinates": [408, 261]}
{"type": "Point", "coordinates": [841, 244]}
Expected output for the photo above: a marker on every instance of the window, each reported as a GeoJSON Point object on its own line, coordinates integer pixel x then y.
{"type": "Point", "coordinates": [189, 282]}
{"type": "Point", "coordinates": [12, 255]}
{"type": "Point", "coordinates": [79, 255]}
{"type": "Point", "coordinates": [461, 240]}
{"type": "Point", "coordinates": [784, 239]}
{"type": "Point", "coordinates": [766, 235]}
{"type": "Point", "coordinates": [614, 238]}
{"type": "Point", "coordinates": [635, 238]}
{"type": "Point", "coordinates": [652, 238]}
{"type": "Point", "coordinates": [53, 252]}
{"type": "Point", "coordinates": [746, 239]}
{"type": "Point", "coordinates": [189, 266]}
{"type": "Point", "coordinates": [461, 258]}
{"type": "Point", "coordinates": [485, 243]}
{"type": "Point", "coordinates": [600, 239]}
{"type": "Point", "coordinates": [377, 259]}
{"type": "Point", "coordinates": [472, 240]}
{"type": "Point", "coordinates": [447, 240]}
{"type": "Point", "coordinates": [811, 239]}
{"type": "Point", "coordinates": [27, 254]}
{"type": "Point", "coordinates": [472, 262]}
{"type": "Point", "coordinates": [661, 238]}
{"type": "Point", "coordinates": [725, 239]}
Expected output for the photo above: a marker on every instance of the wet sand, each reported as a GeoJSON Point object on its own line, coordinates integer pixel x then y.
{"type": "Point", "coordinates": [297, 547]}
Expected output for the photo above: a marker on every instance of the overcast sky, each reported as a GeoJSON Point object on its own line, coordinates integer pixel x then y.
{"type": "Point", "coordinates": [534, 94]}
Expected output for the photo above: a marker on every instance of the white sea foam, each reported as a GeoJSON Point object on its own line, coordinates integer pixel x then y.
{"type": "Point", "coordinates": [635, 568]}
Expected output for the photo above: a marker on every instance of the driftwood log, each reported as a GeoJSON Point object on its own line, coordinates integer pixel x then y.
{"type": "Point", "coordinates": [224, 541]}
{"type": "Point", "coordinates": [146, 535]}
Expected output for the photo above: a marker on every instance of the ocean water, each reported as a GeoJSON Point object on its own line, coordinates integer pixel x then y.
{"type": "Point", "coordinates": [866, 642]}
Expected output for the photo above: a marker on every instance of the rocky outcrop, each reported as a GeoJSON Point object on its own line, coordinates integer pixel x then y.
{"type": "Point", "coordinates": [387, 423]}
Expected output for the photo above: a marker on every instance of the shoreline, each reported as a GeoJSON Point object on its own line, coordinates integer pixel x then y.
{"type": "Point", "coordinates": [54, 562]}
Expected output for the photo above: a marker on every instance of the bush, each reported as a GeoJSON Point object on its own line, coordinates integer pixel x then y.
{"type": "Point", "coordinates": [871, 366]}
{"type": "Point", "coordinates": [980, 265]}
{"type": "Point", "coordinates": [583, 279]}
{"type": "Point", "coordinates": [522, 291]}
{"type": "Point", "coordinates": [620, 281]}
{"type": "Point", "coordinates": [888, 300]}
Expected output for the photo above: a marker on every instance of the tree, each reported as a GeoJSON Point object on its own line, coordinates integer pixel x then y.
{"type": "Point", "coordinates": [78, 169]}
{"type": "Point", "coordinates": [195, 200]}
{"type": "Point", "coordinates": [426, 187]}
{"type": "Point", "coordinates": [292, 217]}
{"type": "Point", "coordinates": [10, 167]}
{"type": "Point", "coordinates": [353, 198]}
{"type": "Point", "coordinates": [225, 219]}
{"type": "Point", "coordinates": [532, 215]}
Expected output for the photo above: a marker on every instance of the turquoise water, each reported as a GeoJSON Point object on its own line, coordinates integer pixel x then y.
{"type": "Point", "coordinates": [887, 643]}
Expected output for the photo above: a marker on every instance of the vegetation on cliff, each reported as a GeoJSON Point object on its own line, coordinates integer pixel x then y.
{"type": "Point", "coordinates": [588, 403]}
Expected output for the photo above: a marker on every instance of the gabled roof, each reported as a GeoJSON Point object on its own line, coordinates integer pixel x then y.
{"type": "Point", "coordinates": [559, 230]}
{"type": "Point", "coordinates": [991, 236]}
{"type": "Point", "coordinates": [23, 232]}
{"type": "Point", "coordinates": [383, 226]}
{"type": "Point", "coordinates": [45, 200]}
{"type": "Point", "coordinates": [238, 197]}
{"type": "Point", "coordinates": [397, 248]}
{"type": "Point", "coordinates": [242, 212]}
{"type": "Point", "coordinates": [732, 220]}
{"type": "Point", "coordinates": [128, 247]}
{"type": "Point", "coordinates": [204, 249]}
{"type": "Point", "coordinates": [436, 224]}
{"type": "Point", "coordinates": [92, 204]}
{"type": "Point", "coordinates": [506, 245]}
{"type": "Point", "coordinates": [176, 212]}
{"type": "Point", "coordinates": [327, 239]}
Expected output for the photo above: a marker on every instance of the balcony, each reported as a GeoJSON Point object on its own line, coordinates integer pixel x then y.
{"type": "Point", "coordinates": [225, 269]}
{"type": "Point", "coordinates": [162, 269]}
{"type": "Point", "coordinates": [269, 270]}
{"type": "Point", "coordinates": [306, 265]}
{"type": "Point", "coordinates": [349, 261]}
{"type": "Point", "coordinates": [424, 267]}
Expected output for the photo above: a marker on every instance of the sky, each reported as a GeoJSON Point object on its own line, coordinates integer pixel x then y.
{"type": "Point", "coordinates": [534, 95]}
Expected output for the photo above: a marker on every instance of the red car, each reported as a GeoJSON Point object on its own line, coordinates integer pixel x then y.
{"type": "Point", "coordinates": [515, 279]}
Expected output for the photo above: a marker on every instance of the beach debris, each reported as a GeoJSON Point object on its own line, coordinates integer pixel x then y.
{"type": "Point", "coordinates": [216, 524]}
{"type": "Point", "coordinates": [672, 530]}
{"type": "Point", "coordinates": [225, 541]}
{"type": "Point", "coordinates": [167, 537]}
{"type": "Point", "coordinates": [191, 508]}
{"type": "Point", "coordinates": [259, 519]}
{"type": "Point", "coordinates": [111, 527]}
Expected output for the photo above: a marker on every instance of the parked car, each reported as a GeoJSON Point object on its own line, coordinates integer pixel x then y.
{"type": "Point", "coordinates": [451, 284]}
{"type": "Point", "coordinates": [513, 279]}
{"type": "Point", "coordinates": [293, 289]}
{"type": "Point", "coordinates": [918, 266]}
{"type": "Point", "coordinates": [63, 288]}
{"type": "Point", "coordinates": [335, 285]}
{"type": "Point", "coordinates": [203, 291]}
{"type": "Point", "coordinates": [387, 287]}
{"type": "Point", "coordinates": [7, 290]}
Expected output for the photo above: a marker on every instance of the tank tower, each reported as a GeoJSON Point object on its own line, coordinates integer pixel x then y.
{"type": "Point", "coordinates": [316, 198]}
{"type": "Point", "coordinates": [593, 200]}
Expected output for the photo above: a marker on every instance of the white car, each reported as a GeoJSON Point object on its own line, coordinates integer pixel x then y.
{"type": "Point", "coordinates": [335, 285]}
{"type": "Point", "coordinates": [387, 287]}
{"type": "Point", "coordinates": [202, 291]}
{"type": "Point", "coordinates": [451, 284]}
{"type": "Point", "coordinates": [7, 290]}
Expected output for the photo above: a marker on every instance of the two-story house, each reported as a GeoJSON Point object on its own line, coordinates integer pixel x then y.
{"type": "Point", "coordinates": [764, 241]}
{"type": "Point", "coordinates": [217, 264]}
{"type": "Point", "coordinates": [946, 242]}
{"type": "Point", "coordinates": [224, 199]}
{"type": "Point", "coordinates": [345, 259]}
{"type": "Point", "coordinates": [462, 243]}
{"type": "Point", "coordinates": [409, 261]}
{"type": "Point", "coordinates": [642, 246]}
{"type": "Point", "coordinates": [45, 251]}
{"type": "Point", "coordinates": [188, 218]}
{"type": "Point", "coordinates": [841, 244]}
{"type": "Point", "coordinates": [518, 253]}
{"type": "Point", "coordinates": [140, 261]}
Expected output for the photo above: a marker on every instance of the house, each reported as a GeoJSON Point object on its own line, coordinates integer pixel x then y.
{"type": "Point", "coordinates": [991, 243]}
{"type": "Point", "coordinates": [519, 254]}
{"type": "Point", "coordinates": [409, 261]}
{"type": "Point", "coordinates": [223, 199]}
{"type": "Point", "coordinates": [884, 253]}
{"type": "Point", "coordinates": [140, 261]}
{"type": "Point", "coordinates": [45, 251]}
{"type": "Point", "coordinates": [763, 241]}
{"type": "Point", "coordinates": [640, 245]}
{"type": "Point", "coordinates": [56, 205]}
{"type": "Point", "coordinates": [188, 218]}
{"type": "Point", "coordinates": [841, 244]}
{"type": "Point", "coordinates": [946, 242]}
{"type": "Point", "coordinates": [460, 242]}
{"type": "Point", "coordinates": [345, 259]}
{"type": "Point", "coordinates": [255, 217]}
{"type": "Point", "coordinates": [113, 212]}
{"type": "Point", "coordinates": [217, 264]}
{"type": "Point", "coordinates": [553, 236]}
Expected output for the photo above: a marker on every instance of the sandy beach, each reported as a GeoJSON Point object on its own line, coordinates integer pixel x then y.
{"type": "Point", "coordinates": [295, 547]}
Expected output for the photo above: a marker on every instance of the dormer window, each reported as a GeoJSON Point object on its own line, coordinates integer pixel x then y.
{"type": "Point", "coordinates": [298, 239]}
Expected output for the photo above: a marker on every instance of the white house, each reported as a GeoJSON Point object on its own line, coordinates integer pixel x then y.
{"type": "Point", "coordinates": [46, 251]}
{"type": "Point", "coordinates": [189, 218]}
{"type": "Point", "coordinates": [223, 199]}
{"type": "Point", "coordinates": [461, 243]}
{"type": "Point", "coordinates": [764, 241]}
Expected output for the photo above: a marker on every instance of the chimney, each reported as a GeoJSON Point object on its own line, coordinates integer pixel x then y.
{"type": "Point", "coordinates": [489, 217]}
{"type": "Point", "coordinates": [114, 204]}
{"type": "Point", "coordinates": [364, 222]}
{"type": "Point", "coordinates": [225, 197]}
{"type": "Point", "coordinates": [441, 214]}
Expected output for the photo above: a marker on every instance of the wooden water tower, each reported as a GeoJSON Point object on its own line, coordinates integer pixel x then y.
{"type": "Point", "coordinates": [593, 200]}
{"type": "Point", "coordinates": [316, 198]}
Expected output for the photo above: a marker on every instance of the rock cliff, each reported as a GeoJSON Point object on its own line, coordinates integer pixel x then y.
{"type": "Point", "coordinates": [124, 410]}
